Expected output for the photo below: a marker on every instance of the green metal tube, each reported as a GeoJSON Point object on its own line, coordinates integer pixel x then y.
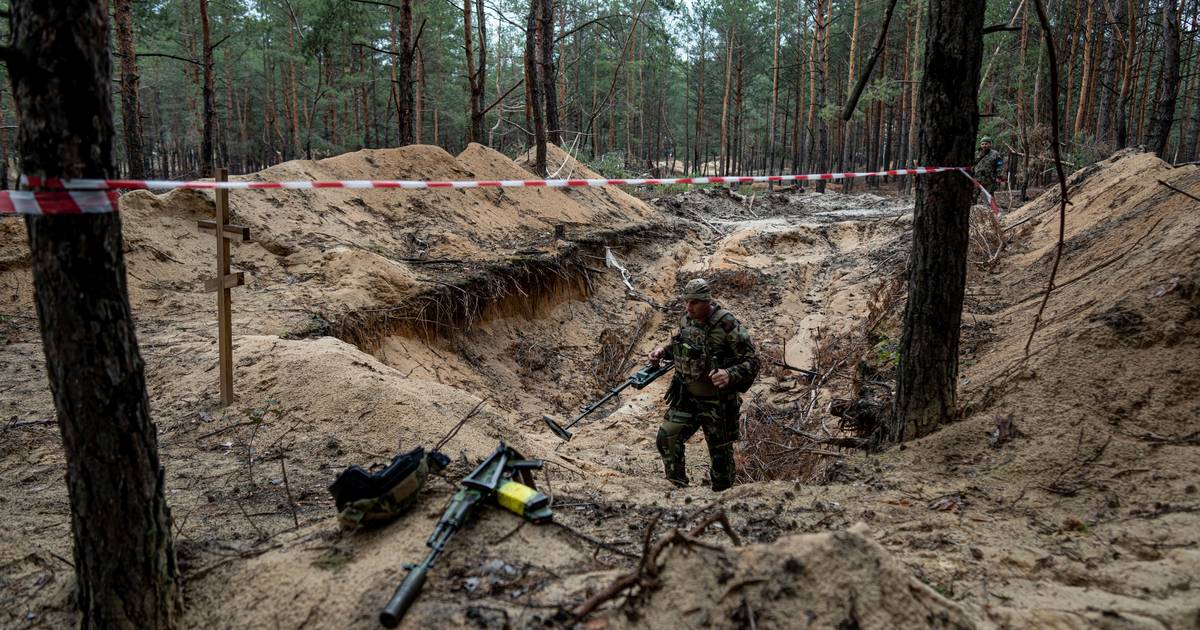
{"type": "Point", "coordinates": [404, 596]}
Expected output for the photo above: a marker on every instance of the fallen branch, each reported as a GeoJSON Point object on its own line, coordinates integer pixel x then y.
{"type": "Point", "coordinates": [647, 572]}
{"type": "Point", "coordinates": [582, 536]}
{"type": "Point", "coordinates": [454, 431]}
{"type": "Point", "coordinates": [1159, 440]}
{"type": "Point", "coordinates": [1058, 167]}
{"type": "Point", "coordinates": [288, 488]}
{"type": "Point", "coordinates": [27, 423]}
{"type": "Point", "coordinates": [1182, 192]}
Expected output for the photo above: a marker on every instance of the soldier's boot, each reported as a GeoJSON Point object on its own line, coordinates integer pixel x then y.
{"type": "Point", "coordinates": [723, 466]}
{"type": "Point", "coordinates": [671, 449]}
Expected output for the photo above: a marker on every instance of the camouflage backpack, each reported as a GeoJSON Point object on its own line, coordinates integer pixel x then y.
{"type": "Point", "coordinates": [373, 498]}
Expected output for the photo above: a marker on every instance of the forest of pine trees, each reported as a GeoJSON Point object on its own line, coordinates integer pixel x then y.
{"type": "Point", "coordinates": [631, 86]}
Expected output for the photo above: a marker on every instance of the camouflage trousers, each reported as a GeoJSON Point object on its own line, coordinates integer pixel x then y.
{"type": "Point", "coordinates": [719, 420]}
{"type": "Point", "coordinates": [987, 181]}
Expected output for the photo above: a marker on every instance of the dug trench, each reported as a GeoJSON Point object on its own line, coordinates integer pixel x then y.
{"type": "Point", "coordinates": [372, 324]}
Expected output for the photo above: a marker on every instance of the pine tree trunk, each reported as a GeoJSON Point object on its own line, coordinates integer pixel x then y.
{"type": "Point", "coordinates": [475, 78]}
{"type": "Point", "coordinates": [292, 96]}
{"type": "Point", "coordinates": [1086, 86]}
{"type": "Point", "coordinates": [1128, 80]}
{"type": "Point", "coordinates": [1105, 123]}
{"type": "Point", "coordinates": [810, 129]}
{"type": "Point", "coordinates": [774, 95]}
{"type": "Point", "coordinates": [845, 162]}
{"type": "Point", "coordinates": [798, 113]}
{"type": "Point", "coordinates": [533, 85]}
{"type": "Point", "coordinates": [1191, 141]}
{"type": "Point", "coordinates": [131, 111]}
{"type": "Point", "coordinates": [724, 162]}
{"type": "Point", "coordinates": [1164, 109]}
{"type": "Point", "coordinates": [928, 369]}
{"type": "Point", "coordinates": [1073, 33]}
{"type": "Point", "coordinates": [1148, 79]}
{"type": "Point", "coordinates": [822, 84]}
{"type": "Point", "coordinates": [206, 147]}
{"type": "Point", "coordinates": [549, 72]}
{"type": "Point", "coordinates": [700, 158]}
{"type": "Point", "coordinates": [404, 85]}
{"type": "Point", "coordinates": [419, 92]}
{"type": "Point", "coordinates": [1022, 108]}
{"type": "Point", "coordinates": [124, 557]}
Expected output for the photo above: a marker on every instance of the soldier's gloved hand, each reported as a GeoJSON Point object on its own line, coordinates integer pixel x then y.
{"type": "Point", "coordinates": [720, 378]}
{"type": "Point", "coordinates": [656, 355]}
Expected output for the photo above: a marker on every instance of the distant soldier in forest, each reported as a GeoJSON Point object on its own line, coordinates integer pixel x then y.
{"type": "Point", "coordinates": [989, 166]}
{"type": "Point", "coordinates": [714, 362]}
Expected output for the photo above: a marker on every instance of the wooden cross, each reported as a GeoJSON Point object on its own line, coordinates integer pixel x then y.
{"type": "Point", "coordinates": [224, 282]}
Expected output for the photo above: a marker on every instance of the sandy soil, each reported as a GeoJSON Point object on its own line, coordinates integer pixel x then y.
{"type": "Point", "coordinates": [374, 320]}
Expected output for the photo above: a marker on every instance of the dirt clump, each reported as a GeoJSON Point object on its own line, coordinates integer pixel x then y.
{"type": "Point", "coordinates": [829, 580]}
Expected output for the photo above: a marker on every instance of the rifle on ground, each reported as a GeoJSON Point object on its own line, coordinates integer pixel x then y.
{"type": "Point", "coordinates": [496, 479]}
{"type": "Point", "coordinates": [641, 379]}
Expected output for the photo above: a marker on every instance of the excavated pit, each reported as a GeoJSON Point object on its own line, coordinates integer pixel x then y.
{"type": "Point", "coordinates": [1082, 517]}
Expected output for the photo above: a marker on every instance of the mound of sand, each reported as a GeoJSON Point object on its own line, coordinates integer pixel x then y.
{"type": "Point", "coordinates": [835, 580]}
{"type": "Point", "coordinates": [333, 251]}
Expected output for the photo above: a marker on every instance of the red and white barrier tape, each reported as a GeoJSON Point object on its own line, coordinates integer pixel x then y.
{"type": "Point", "coordinates": [75, 196]}
{"type": "Point", "coordinates": [73, 202]}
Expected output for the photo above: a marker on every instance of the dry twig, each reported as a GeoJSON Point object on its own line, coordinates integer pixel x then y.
{"type": "Point", "coordinates": [1058, 167]}
{"type": "Point", "coordinates": [647, 573]}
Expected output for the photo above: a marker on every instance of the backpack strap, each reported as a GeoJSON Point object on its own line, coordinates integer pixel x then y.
{"type": "Point", "coordinates": [723, 318]}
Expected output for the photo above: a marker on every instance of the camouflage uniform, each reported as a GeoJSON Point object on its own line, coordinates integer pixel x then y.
{"type": "Point", "coordinates": [988, 168]}
{"type": "Point", "coordinates": [695, 403]}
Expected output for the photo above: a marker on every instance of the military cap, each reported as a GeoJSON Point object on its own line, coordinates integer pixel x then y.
{"type": "Point", "coordinates": [697, 289]}
{"type": "Point", "coordinates": [987, 139]}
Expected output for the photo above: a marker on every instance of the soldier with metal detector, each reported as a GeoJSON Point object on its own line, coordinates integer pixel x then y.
{"type": "Point", "coordinates": [714, 362]}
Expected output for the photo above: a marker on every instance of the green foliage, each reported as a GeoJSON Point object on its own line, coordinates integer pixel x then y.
{"type": "Point", "coordinates": [886, 353]}
{"type": "Point", "coordinates": [611, 165]}
{"type": "Point", "coordinates": [326, 66]}
{"type": "Point", "coordinates": [670, 189]}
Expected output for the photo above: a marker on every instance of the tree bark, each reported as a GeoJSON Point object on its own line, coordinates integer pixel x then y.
{"type": "Point", "coordinates": [124, 558]}
{"type": "Point", "coordinates": [131, 111]}
{"type": "Point", "coordinates": [698, 158]}
{"type": "Point", "coordinates": [549, 72]}
{"type": "Point", "coordinates": [534, 84]}
{"type": "Point", "coordinates": [475, 77]}
{"type": "Point", "coordinates": [1164, 109]}
{"type": "Point", "coordinates": [1086, 85]}
{"type": "Point", "coordinates": [724, 163]}
{"type": "Point", "coordinates": [1105, 116]}
{"type": "Point", "coordinates": [928, 369]}
{"type": "Point", "coordinates": [1190, 142]}
{"type": "Point", "coordinates": [292, 97]}
{"type": "Point", "coordinates": [913, 132]}
{"type": "Point", "coordinates": [1128, 80]}
{"type": "Point", "coordinates": [774, 96]}
{"type": "Point", "coordinates": [404, 81]}
{"type": "Point", "coordinates": [206, 146]}
{"type": "Point", "coordinates": [822, 83]}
